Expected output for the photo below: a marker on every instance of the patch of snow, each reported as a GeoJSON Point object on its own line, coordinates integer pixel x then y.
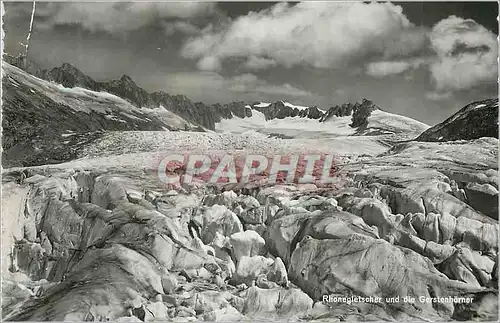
{"type": "Point", "coordinates": [167, 117]}
{"type": "Point", "coordinates": [393, 122]}
{"type": "Point", "coordinates": [293, 106]}
{"type": "Point", "coordinates": [262, 105]}
{"type": "Point", "coordinates": [114, 118]}
{"type": "Point", "coordinates": [241, 125]}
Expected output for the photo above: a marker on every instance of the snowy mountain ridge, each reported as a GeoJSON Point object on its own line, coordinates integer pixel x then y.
{"type": "Point", "coordinates": [190, 114]}
{"type": "Point", "coordinates": [287, 120]}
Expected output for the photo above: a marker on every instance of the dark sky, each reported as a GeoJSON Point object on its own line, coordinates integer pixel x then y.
{"type": "Point", "coordinates": [424, 60]}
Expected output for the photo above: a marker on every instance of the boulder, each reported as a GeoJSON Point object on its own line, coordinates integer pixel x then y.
{"type": "Point", "coordinates": [254, 215]}
{"type": "Point", "coordinates": [247, 202]}
{"type": "Point", "coordinates": [248, 243]}
{"type": "Point", "coordinates": [249, 268]}
{"type": "Point", "coordinates": [282, 231]}
{"type": "Point", "coordinates": [219, 218]}
{"type": "Point", "coordinates": [278, 273]}
{"type": "Point", "coordinates": [483, 197]}
{"type": "Point", "coordinates": [169, 283]}
{"type": "Point", "coordinates": [156, 311]}
{"type": "Point", "coordinates": [225, 314]}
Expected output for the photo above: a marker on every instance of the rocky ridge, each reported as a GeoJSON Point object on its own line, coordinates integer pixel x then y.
{"type": "Point", "coordinates": [41, 120]}
{"type": "Point", "coordinates": [475, 120]}
{"type": "Point", "coordinates": [280, 110]}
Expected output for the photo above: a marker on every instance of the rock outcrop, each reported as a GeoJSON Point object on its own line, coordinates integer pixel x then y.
{"type": "Point", "coordinates": [281, 110]}
{"type": "Point", "coordinates": [360, 112]}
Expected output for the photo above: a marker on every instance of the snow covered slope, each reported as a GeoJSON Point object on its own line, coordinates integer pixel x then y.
{"type": "Point", "coordinates": [390, 123]}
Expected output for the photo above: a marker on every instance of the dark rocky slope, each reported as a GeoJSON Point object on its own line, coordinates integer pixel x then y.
{"type": "Point", "coordinates": [475, 120]}
{"type": "Point", "coordinates": [43, 124]}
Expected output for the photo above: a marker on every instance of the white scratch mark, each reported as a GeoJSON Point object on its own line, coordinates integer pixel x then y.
{"type": "Point", "coordinates": [31, 28]}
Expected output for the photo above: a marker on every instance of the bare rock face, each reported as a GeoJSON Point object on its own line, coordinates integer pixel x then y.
{"type": "Point", "coordinates": [54, 124]}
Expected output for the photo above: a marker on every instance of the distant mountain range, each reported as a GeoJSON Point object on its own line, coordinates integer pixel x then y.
{"type": "Point", "coordinates": [197, 113]}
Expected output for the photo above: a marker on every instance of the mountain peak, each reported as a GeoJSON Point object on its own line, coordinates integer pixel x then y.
{"type": "Point", "coordinates": [68, 66]}
{"type": "Point", "coordinates": [70, 76]}
{"type": "Point", "coordinates": [127, 79]}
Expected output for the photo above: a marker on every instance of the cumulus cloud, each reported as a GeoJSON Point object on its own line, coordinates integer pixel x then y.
{"type": "Point", "coordinates": [318, 34]}
{"type": "Point", "coordinates": [117, 17]}
{"type": "Point", "coordinates": [461, 55]}
{"type": "Point", "coordinates": [466, 54]}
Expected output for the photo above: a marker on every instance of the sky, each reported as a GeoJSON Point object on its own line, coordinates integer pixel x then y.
{"type": "Point", "coordinates": [424, 60]}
